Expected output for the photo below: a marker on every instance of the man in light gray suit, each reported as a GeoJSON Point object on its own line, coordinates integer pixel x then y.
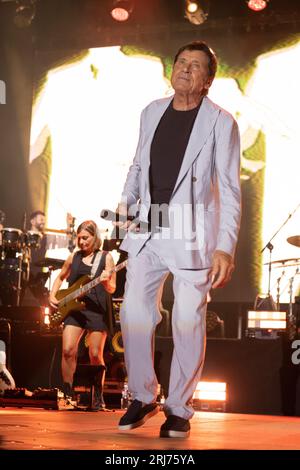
{"type": "Point", "coordinates": [185, 181]}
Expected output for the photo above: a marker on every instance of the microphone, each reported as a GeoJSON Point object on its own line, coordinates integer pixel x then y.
{"type": "Point", "coordinates": [107, 214]}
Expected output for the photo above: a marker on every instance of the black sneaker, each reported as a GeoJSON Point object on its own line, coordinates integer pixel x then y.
{"type": "Point", "coordinates": [137, 414]}
{"type": "Point", "coordinates": [174, 426]}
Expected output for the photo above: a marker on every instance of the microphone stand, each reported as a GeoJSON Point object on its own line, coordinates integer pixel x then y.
{"type": "Point", "coordinates": [20, 259]}
{"type": "Point", "coordinates": [20, 268]}
{"type": "Point", "coordinates": [270, 246]}
{"type": "Point", "coordinates": [71, 235]}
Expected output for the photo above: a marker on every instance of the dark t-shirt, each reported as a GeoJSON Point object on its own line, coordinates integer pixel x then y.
{"type": "Point", "coordinates": [167, 151]}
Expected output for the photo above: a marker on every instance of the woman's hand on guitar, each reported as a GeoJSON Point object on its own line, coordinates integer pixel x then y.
{"type": "Point", "coordinates": [105, 275]}
{"type": "Point", "coordinates": [108, 281]}
{"type": "Point", "coordinates": [53, 301]}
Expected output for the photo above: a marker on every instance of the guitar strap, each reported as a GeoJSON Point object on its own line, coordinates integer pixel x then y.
{"type": "Point", "coordinates": [108, 297]}
{"type": "Point", "coordinates": [96, 263]}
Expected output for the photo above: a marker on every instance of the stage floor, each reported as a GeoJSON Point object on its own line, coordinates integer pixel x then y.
{"type": "Point", "coordinates": [39, 429]}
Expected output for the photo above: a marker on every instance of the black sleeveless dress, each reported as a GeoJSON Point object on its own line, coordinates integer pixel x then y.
{"type": "Point", "coordinates": [94, 316]}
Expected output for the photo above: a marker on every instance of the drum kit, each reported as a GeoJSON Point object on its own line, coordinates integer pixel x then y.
{"type": "Point", "coordinates": [285, 264]}
{"type": "Point", "coordinates": [15, 257]}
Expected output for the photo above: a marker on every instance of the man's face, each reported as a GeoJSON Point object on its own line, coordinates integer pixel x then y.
{"type": "Point", "coordinates": [38, 223]}
{"type": "Point", "coordinates": [190, 73]}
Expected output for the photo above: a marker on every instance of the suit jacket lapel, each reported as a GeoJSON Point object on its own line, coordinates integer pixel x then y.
{"type": "Point", "coordinates": [202, 128]}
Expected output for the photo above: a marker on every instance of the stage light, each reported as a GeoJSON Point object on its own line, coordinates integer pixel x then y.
{"type": "Point", "coordinates": [210, 396]}
{"type": "Point", "coordinates": [192, 7]}
{"type": "Point", "coordinates": [121, 9]}
{"type": "Point", "coordinates": [196, 12]}
{"type": "Point", "coordinates": [46, 315]}
{"type": "Point", "coordinates": [25, 13]}
{"type": "Point", "coordinates": [257, 5]}
{"type": "Point", "coordinates": [265, 324]}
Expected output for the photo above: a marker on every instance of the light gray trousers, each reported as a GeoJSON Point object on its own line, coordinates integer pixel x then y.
{"type": "Point", "coordinates": [140, 315]}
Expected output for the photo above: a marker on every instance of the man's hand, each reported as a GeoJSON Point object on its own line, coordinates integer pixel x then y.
{"type": "Point", "coordinates": [222, 269]}
{"type": "Point", "coordinates": [128, 225]}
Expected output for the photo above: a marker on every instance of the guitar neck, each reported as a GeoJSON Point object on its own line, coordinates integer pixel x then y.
{"type": "Point", "coordinates": [89, 286]}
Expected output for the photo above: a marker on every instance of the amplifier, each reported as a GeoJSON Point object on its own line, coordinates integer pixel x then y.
{"type": "Point", "coordinates": [28, 314]}
{"type": "Point", "coordinates": [29, 320]}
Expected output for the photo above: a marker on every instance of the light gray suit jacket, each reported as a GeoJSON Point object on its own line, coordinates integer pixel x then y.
{"type": "Point", "coordinates": [204, 208]}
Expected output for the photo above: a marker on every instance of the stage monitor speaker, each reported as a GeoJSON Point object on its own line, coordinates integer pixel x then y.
{"type": "Point", "coordinates": [36, 360]}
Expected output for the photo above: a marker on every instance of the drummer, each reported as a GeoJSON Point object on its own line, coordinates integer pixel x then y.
{"type": "Point", "coordinates": [38, 294]}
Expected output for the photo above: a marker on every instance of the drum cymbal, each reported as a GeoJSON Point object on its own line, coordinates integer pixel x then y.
{"type": "Point", "coordinates": [284, 262]}
{"type": "Point", "coordinates": [50, 263]}
{"type": "Point", "coordinates": [295, 240]}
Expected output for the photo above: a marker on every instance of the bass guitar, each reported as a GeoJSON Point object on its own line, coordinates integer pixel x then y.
{"type": "Point", "coordinates": [69, 299]}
